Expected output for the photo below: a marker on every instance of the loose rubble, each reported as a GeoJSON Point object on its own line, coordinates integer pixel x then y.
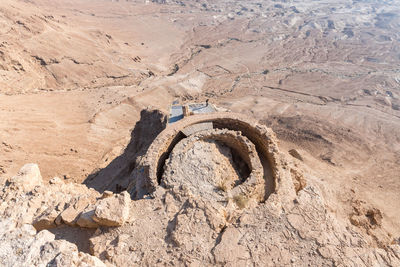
{"type": "Point", "coordinates": [191, 220]}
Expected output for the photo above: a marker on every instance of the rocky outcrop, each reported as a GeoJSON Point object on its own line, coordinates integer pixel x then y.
{"type": "Point", "coordinates": [210, 209]}
{"type": "Point", "coordinates": [199, 233]}
{"type": "Point", "coordinates": [30, 205]}
{"type": "Point", "coordinates": [21, 245]}
{"type": "Point", "coordinates": [206, 225]}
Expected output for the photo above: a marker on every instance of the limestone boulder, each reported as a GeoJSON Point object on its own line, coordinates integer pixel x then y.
{"type": "Point", "coordinates": [46, 220]}
{"type": "Point", "coordinates": [86, 218]}
{"type": "Point", "coordinates": [21, 245]}
{"type": "Point", "coordinates": [112, 211]}
{"type": "Point", "coordinates": [70, 215]}
{"type": "Point", "coordinates": [28, 177]}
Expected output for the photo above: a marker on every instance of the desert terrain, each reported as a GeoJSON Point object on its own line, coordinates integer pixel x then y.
{"type": "Point", "coordinates": [84, 84]}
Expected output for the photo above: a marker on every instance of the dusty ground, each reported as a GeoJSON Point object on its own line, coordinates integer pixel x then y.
{"type": "Point", "coordinates": [75, 74]}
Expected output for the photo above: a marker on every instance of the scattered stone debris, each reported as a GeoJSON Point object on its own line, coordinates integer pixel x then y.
{"type": "Point", "coordinates": [218, 194]}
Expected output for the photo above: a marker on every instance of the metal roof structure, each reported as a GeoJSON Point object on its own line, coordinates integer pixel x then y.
{"type": "Point", "coordinates": [177, 111]}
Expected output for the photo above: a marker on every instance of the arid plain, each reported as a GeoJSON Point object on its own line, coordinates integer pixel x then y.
{"type": "Point", "coordinates": [324, 75]}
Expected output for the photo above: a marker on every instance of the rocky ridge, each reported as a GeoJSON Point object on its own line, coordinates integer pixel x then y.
{"type": "Point", "coordinates": [178, 225]}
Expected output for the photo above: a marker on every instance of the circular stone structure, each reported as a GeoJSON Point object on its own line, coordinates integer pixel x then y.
{"type": "Point", "coordinates": [217, 164]}
{"type": "Point", "coordinates": [255, 145]}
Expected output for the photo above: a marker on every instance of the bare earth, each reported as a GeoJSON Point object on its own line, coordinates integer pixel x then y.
{"type": "Point", "coordinates": [76, 74]}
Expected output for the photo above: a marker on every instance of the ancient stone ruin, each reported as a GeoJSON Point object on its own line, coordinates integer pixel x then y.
{"type": "Point", "coordinates": [211, 189]}
{"type": "Point", "coordinates": [250, 145]}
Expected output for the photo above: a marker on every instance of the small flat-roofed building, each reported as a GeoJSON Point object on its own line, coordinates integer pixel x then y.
{"type": "Point", "coordinates": [178, 112]}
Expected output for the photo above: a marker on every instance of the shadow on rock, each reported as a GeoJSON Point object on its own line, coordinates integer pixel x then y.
{"type": "Point", "coordinates": [78, 236]}
{"type": "Point", "coordinates": [116, 176]}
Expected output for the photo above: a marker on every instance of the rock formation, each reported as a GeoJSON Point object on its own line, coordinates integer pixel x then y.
{"type": "Point", "coordinates": [223, 196]}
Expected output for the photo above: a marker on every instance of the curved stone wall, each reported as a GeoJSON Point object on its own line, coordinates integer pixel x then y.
{"type": "Point", "coordinates": [150, 169]}
{"type": "Point", "coordinates": [253, 186]}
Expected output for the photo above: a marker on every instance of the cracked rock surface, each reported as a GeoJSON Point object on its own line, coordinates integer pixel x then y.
{"type": "Point", "coordinates": [186, 221]}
